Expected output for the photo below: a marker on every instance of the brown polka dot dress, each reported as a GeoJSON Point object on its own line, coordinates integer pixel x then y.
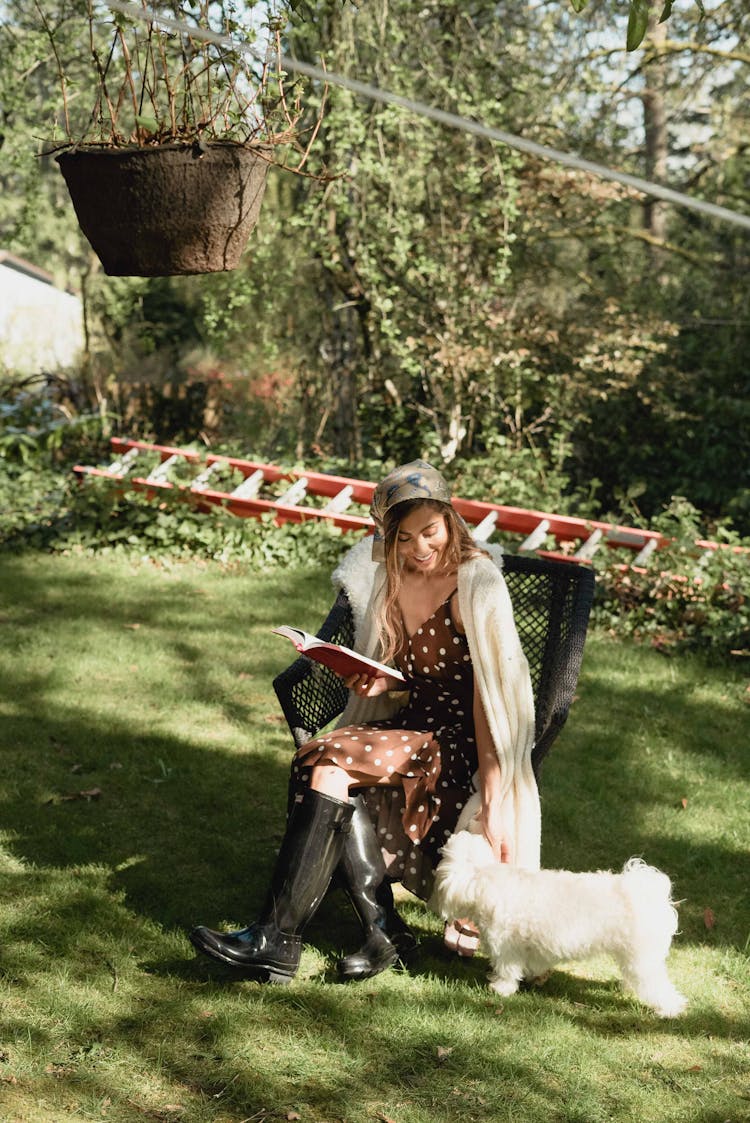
{"type": "Point", "coordinates": [429, 744]}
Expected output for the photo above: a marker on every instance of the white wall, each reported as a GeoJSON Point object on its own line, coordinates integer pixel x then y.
{"type": "Point", "coordinates": [41, 327]}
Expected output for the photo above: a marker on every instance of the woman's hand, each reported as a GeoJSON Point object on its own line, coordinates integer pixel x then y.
{"type": "Point", "coordinates": [492, 831]}
{"type": "Point", "coordinates": [370, 686]}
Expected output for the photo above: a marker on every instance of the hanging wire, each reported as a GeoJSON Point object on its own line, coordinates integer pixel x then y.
{"type": "Point", "coordinates": [451, 120]}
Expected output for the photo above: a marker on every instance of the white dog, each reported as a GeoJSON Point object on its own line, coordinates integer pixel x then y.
{"type": "Point", "coordinates": [531, 919]}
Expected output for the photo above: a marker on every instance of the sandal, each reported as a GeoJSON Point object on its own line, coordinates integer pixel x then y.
{"type": "Point", "coordinates": [461, 937]}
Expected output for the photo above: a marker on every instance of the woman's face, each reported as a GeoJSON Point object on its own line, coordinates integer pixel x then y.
{"type": "Point", "coordinates": [421, 540]}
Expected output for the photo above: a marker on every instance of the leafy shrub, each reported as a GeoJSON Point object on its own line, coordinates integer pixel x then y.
{"type": "Point", "coordinates": [687, 597]}
{"type": "Point", "coordinates": [100, 516]}
{"type": "Point", "coordinates": [522, 477]}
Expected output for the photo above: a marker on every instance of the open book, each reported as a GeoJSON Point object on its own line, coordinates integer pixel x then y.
{"type": "Point", "coordinates": [340, 659]}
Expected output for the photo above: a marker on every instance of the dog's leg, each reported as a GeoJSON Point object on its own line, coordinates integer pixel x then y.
{"type": "Point", "coordinates": [651, 984]}
{"type": "Point", "coordinates": [505, 977]}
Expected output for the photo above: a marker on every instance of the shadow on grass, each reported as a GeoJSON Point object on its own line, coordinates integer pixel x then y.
{"type": "Point", "coordinates": [185, 831]}
{"type": "Point", "coordinates": [191, 833]}
{"type": "Point", "coordinates": [351, 1036]}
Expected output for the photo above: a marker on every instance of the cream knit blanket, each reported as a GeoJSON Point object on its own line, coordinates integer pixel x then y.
{"type": "Point", "coordinates": [501, 675]}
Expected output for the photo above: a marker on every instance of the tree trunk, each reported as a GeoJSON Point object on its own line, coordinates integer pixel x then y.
{"type": "Point", "coordinates": [656, 135]}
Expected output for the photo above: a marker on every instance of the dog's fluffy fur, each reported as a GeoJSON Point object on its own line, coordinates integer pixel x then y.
{"type": "Point", "coordinates": [531, 919]}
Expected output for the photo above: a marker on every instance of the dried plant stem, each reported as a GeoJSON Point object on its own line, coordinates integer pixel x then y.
{"type": "Point", "coordinates": [60, 70]}
{"type": "Point", "coordinates": [144, 69]}
{"type": "Point", "coordinates": [129, 72]}
{"type": "Point", "coordinates": [316, 126]}
{"type": "Point", "coordinates": [171, 94]}
{"type": "Point", "coordinates": [102, 73]}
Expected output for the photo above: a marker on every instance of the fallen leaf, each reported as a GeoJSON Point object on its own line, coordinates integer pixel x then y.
{"type": "Point", "coordinates": [444, 1051]}
{"type": "Point", "coordinates": [59, 1070]}
{"type": "Point", "coordinates": [68, 797]}
{"type": "Point", "coordinates": [684, 803]}
{"type": "Point", "coordinates": [133, 628]}
{"type": "Point", "coordinates": [293, 1115]}
{"type": "Point", "coordinates": [696, 1068]}
{"type": "Point", "coordinates": [708, 918]}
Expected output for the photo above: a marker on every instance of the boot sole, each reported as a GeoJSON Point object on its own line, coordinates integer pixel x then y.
{"type": "Point", "coordinates": [259, 972]}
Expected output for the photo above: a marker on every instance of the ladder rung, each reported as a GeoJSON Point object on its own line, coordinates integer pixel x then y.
{"type": "Point", "coordinates": [484, 529]}
{"type": "Point", "coordinates": [589, 547]}
{"type": "Point", "coordinates": [641, 558]}
{"type": "Point", "coordinates": [161, 471]}
{"type": "Point", "coordinates": [202, 479]}
{"type": "Point", "coordinates": [296, 492]}
{"type": "Point", "coordinates": [537, 536]}
{"type": "Point", "coordinates": [117, 467]}
{"type": "Point", "coordinates": [250, 486]}
{"type": "Point", "coordinates": [340, 501]}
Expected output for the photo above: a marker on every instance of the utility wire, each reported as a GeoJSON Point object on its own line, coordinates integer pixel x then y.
{"type": "Point", "coordinates": [451, 120]}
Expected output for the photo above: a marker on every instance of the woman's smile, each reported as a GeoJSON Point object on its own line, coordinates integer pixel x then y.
{"type": "Point", "coordinates": [422, 538]}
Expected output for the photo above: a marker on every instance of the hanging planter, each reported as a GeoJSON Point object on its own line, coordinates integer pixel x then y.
{"type": "Point", "coordinates": [167, 173]}
{"type": "Point", "coordinates": [167, 210]}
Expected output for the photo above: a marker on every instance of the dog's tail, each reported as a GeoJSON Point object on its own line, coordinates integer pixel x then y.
{"type": "Point", "coordinates": [651, 891]}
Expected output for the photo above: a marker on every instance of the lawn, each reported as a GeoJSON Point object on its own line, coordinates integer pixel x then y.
{"type": "Point", "coordinates": [144, 772]}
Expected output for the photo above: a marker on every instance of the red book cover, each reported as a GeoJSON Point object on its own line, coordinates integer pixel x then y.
{"type": "Point", "coordinates": [340, 659]}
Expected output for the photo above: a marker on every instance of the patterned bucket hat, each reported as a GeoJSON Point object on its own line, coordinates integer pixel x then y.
{"type": "Point", "coordinates": [417, 480]}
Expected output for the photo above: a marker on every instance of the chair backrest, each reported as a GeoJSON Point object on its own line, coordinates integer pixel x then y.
{"type": "Point", "coordinates": [551, 605]}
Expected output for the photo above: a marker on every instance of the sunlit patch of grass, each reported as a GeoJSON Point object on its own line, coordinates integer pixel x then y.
{"type": "Point", "coordinates": [150, 689]}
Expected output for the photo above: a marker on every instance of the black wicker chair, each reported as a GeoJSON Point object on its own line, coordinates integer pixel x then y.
{"type": "Point", "coordinates": [551, 604]}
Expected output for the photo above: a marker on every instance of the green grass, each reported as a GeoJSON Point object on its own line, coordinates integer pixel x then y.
{"type": "Point", "coordinates": [152, 686]}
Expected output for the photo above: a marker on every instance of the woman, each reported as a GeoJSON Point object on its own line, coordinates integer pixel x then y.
{"type": "Point", "coordinates": [457, 747]}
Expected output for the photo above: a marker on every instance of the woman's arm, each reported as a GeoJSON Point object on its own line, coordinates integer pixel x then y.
{"type": "Point", "coordinates": [489, 767]}
{"type": "Point", "coordinates": [489, 782]}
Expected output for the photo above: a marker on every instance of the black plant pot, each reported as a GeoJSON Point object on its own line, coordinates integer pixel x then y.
{"type": "Point", "coordinates": [167, 210]}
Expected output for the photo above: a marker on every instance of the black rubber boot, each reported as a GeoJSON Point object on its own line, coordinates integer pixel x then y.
{"type": "Point", "coordinates": [361, 874]}
{"type": "Point", "coordinates": [270, 948]}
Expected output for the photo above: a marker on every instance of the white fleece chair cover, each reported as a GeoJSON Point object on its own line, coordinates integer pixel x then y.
{"type": "Point", "coordinates": [502, 677]}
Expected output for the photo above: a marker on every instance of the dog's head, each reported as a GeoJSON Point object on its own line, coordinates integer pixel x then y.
{"type": "Point", "coordinates": [468, 849]}
{"type": "Point", "coordinates": [464, 856]}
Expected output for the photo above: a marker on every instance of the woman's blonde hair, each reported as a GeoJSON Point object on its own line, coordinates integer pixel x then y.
{"type": "Point", "coordinates": [459, 549]}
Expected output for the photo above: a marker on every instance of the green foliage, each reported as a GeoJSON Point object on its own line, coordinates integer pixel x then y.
{"type": "Point", "coordinates": [443, 296]}
{"type": "Point", "coordinates": [639, 13]}
{"type": "Point", "coordinates": [34, 426]}
{"type": "Point", "coordinates": [412, 246]}
{"type": "Point", "coordinates": [521, 477]}
{"type": "Point", "coordinates": [687, 597]}
{"type": "Point", "coordinates": [99, 516]}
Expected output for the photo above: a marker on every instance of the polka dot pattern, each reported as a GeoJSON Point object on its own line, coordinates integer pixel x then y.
{"type": "Point", "coordinates": [429, 745]}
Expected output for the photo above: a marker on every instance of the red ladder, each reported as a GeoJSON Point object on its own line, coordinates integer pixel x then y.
{"type": "Point", "coordinates": [574, 539]}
